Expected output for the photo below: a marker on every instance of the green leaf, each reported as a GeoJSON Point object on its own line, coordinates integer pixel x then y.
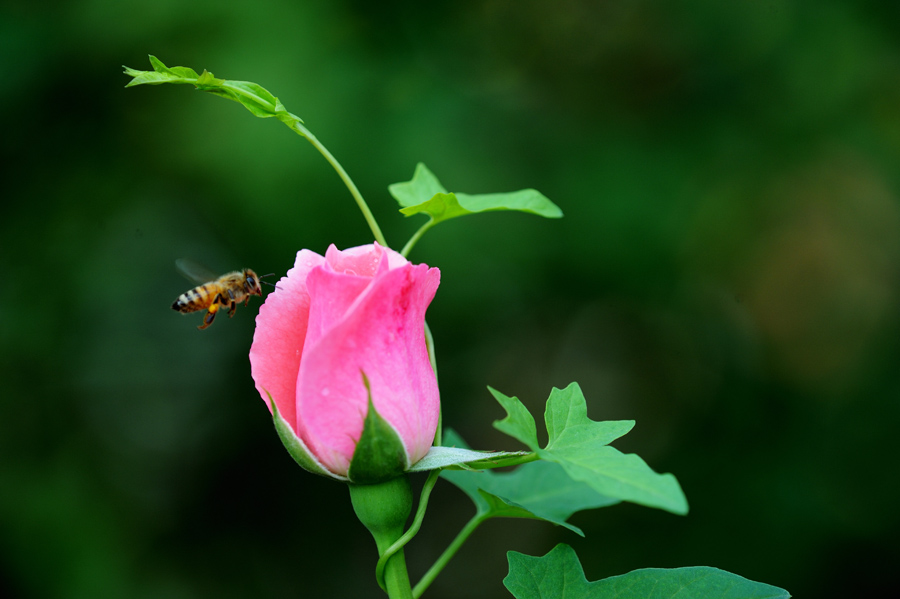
{"type": "Point", "coordinates": [569, 426]}
{"type": "Point", "coordinates": [425, 194]}
{"type": "Point", "coordinates": [559, 575]}
{"type": "Point", "coordinates": [423, 186]}
{"type": "Point", "coordinates": [625, 476]}
{"type": "Point", "coordinates": [519, 423]}
{"type": "Point", "coordinates": [580, 446]}
{"type": "Point", "coordinates": [537, 490]}
{"type": "Point", "coordinates": [176, 72]}
{"type": "Point", "coordinates": [524, 200]}
{"type": "Point", "coordinates": [252, 96]}
{"type": "Point", "coordinates": [446, 457]}
{"type": "Point", "coordinates": [161, 74]}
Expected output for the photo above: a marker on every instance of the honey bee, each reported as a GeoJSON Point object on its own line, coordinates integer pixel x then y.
{"type": "Point", "coordinates": [216, 294]}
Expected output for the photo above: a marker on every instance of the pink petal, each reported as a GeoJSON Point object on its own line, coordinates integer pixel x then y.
{"type": "Point", "coordinates": [279, 337]}
{"type": "Point", "coordinates": [364, 260]}
{"type": "Point", "coordinates": [382, 335]}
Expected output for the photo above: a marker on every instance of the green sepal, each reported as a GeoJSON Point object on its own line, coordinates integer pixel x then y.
{"type": "Point", "coordinates": [296, 447]}
{"type": "Point", "coordinates": [380, 454]}
{"type": "Point", "coordinates": [559, 574]}
{"type": "Point", "coordinates": [580, 446]}
{"type": "Point", "coordinates": [425, 194]}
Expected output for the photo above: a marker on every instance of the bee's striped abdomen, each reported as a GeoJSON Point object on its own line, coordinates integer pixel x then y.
{"type": "Point", "coordinates": [198, 298]}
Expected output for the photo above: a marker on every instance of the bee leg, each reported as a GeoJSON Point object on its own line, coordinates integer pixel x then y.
{"type": "Point", "coordinates": [210, 315]}
{"type": "Point", "coordinates": [232, 304]}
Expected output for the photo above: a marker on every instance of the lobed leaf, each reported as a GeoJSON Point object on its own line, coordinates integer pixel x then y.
{"type": "Point", "coordinates": [559, 575]}
{"type": "Point", "coordinates": [569, 426]}
{"type": "Point", "coordinates": [519, 423]}
{"type": "Point", "coordinates": [624, 476]}
{"type": "Point", "coordinates": [580, 446]}
{"type": "Point", "coordinates": [421, 188]}
{"type": "Point", "coordinates": [424, 194]}
{"type": "Point", "coordinates": [537, 490]}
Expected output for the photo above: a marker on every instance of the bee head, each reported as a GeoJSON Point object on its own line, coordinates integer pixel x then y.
{"type": "Point", "coordinates": [251, 282]}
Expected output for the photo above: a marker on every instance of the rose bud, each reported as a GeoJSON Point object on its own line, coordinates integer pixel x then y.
{"type": "Point", "coordinates": [340, 357]}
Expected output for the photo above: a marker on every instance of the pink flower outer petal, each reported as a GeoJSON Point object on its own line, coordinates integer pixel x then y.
{"type": "Point", "coordinates": [279, 337]}
{"type": "Point", "coordinates": [295, 445]}
{"type": "Point", "coordinates": [364, 260]}
{"type": "Point", "coordinates": [382, 335]}
{"type": "Point", "coordinates": [361, 265]}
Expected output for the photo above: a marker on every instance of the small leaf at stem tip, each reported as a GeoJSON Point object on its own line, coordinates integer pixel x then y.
{"type": "Point", "coordinates": [206, 79]}
{"type": "Point", "coordinates": [559, 574]}
{"type": "Point", "coordinates": [254, 97]}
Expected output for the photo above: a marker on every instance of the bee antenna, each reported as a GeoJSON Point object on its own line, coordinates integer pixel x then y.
{"type": "Point", "coordinates": [261, 277]}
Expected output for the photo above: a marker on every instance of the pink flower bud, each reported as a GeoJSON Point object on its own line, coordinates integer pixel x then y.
{"type": "Point", "coordinates": [328, 322]}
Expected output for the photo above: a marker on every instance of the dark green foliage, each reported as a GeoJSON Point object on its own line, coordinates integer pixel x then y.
{"type": "Point", "coordinates": [558, 575]}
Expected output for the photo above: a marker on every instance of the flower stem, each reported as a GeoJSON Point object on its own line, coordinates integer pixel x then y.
{"type": "Point", "coordinates": [396, 579]}
{"type": "Point", "coordinates": [415, 238]}
{"type": "Point", "coordinates": [383, 508]}
{"type": "Point", "coordinates": [447, 555]}
{"type": "Point", "coordinates": [380, 567]}
{"type": "Point", "coordinates": [367, 214]}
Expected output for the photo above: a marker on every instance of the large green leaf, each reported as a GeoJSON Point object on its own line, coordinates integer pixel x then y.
{"type": "Point", "coordinates": [559, 575]}
{"type": "Point", "coordinates": [519, 423]}
{"type": "Point", "coordinates": [425, 194]}
{"type": "Point", "coordinates": [580, 446]}
{"type": "Point", "coordinates": [568, 425]}
{"type": "Point", "coordinates": [537, 490]}
{"type": "Point", "coordinates": [421, 188]}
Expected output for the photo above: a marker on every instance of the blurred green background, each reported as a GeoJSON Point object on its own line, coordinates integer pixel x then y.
{"type": "Point", "coordinates": [727, 274]}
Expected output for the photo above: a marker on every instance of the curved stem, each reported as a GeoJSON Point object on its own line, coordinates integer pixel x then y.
{"type": "Point", "coordinates": [409, 534]}
{"type": "Point", "coordinates": [447, 555]}
{"type": "Point", "coordinates": [415, 238]}
{"type": "Point", "coordinates": [367, 214]}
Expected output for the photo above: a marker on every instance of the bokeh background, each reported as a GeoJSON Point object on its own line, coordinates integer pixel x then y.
{"type": "Point", "coordinates": [727, 274]}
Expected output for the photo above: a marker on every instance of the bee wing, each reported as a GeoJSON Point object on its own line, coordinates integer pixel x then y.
{"type": "Point", "coordinates": [194, 272]}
